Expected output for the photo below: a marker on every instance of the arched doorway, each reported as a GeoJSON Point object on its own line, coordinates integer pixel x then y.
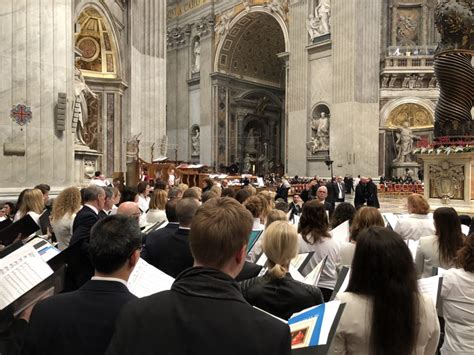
{"type": "Point", "coordinates": [97, 118]}
{"type": "Point", "coordinates": [249, 92]}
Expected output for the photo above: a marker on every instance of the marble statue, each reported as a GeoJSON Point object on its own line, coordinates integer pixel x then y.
{"type": "Point", "coordinates": [247, 164]}
{"type": "Point", "coordinates": [82, 94]}
{"type": "Point", "coordinates": [133, 148]}
{"type": "Point", "coordinates": [262, 159]}
{"type": "Point", "coordinates": [195, 142]}
{"type": "Point", "coordinates": [312, 25]}
{"type": "Point", "coordinates": [404, 144]}
{"type": "Point", "coordinates": [197, 57]}
{"type": "Point", "coordinates": [320, 127]}
{"type": "Point", "coordinates": [223, 25]}
{"type": "Point", "coordinates": [278, 6]}
{"type": "Point", "coordinates": [323, 11]}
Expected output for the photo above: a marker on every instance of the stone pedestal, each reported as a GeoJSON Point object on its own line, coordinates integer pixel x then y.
{"type": "Point", "coordinates": [400, 169]}
{"type": "Point", "coordinates": [85, 164]}
{"type": "Point", "coordinates": [449, 181]}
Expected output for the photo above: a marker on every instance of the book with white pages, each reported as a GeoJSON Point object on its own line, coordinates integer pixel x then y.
{"type": "Point", "coordinates": [465, 229]}
{"type": "Point", "coordinates": [146, 280]}
{"type": "Point", "coordinates": [45, 249]}
{"type": "Point", "coordinates": [21, 271]}
{"type": "Point", "coordinates": [413, 246]}
{"type": "Point", "coordinates": [431, 286]}
{"type": "Point", "coordinates": [297, 265]}
{"type": "Point", "coordinates": [439, 271]}
{"type": "Point", "coordinates": [313, 277]}
{"type": "Point", "coordinates": [342, 281]}
{"type": "Point", "coordinates": [390, 219]}
{"type": "Point", "coordinates": [341, 233]}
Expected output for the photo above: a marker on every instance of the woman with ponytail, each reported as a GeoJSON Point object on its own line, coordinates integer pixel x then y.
{"type": "Point", "coordinates": [277, 292]}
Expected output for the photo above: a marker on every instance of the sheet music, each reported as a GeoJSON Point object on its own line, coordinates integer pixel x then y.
{"type": "Point", "coordinates": [20, 271]}
{"type": "Point", "coordinates": [341, 233]}
{"type": "Point", "coordinates": [298, 260]}
{"type": "Point", "coordinates": [146, 280]}
{"type": "Point", "coordinates": [430, 286]}
{"type": "Point", "coordinates": [313, 277]}
{"type": "Point", "coordinates": [464, 229]}
{"type": "Point", "coordinates": [390, 218]}
{"type": "Point", "coordinates": [44, 248]}
{"type": "Point", "coordinates": [413, 246]}
{"type": "Point", "coordinates": [441, 271]}
{"type": "Point", "coordinates": [295, 274]}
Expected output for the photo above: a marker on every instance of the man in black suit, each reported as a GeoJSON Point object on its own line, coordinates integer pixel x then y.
{"type": "Point", "coordinates": [171, 253]}
{"type": "Point", "coordinates": [321, 196]}
{"type": "Point", "coordinates": [204, 312]}
{"type": "Point", "coordinates": [108, 203]}
{"type": "Point", "coordinates": [340, 190]}
{"type": "Point", "coordinates": [372, 199]}
{"type": "Point", "coordinates": [80, 268]}
{"type": "Point", "coordinates": [82, 322]}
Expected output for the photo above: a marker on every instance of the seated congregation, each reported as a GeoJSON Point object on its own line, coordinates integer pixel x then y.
{"type": "Point", "coordinates": [230, 293]}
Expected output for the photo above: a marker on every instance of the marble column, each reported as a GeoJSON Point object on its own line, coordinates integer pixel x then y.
{"type": "Point", "coordinates": [147, 74]}
{"type": "Point", "coordinates": [296, 90]}
{"type": "Point", "coordinates": [36, 63]}
{"type": "Point", "coordinates": [356, 66]}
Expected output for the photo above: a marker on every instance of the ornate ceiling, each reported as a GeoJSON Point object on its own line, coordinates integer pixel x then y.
{"type": "Point", "coordinates": [250, 49]}
{"type": "Point", "coordinates": [95, 41]}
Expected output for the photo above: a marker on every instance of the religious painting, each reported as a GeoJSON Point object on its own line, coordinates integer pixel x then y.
{"type": "Point", "coordinates": [408, 26]}
{"type": "Point", "coordinates": [301, 333]}
{"type": "Point", "coordinates": [416, 115]}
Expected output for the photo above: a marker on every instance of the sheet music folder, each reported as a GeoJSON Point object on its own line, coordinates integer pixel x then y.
{"type": "Point", "coordinates": [24, 226]}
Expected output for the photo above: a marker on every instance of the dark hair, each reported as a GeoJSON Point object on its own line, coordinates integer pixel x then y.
{"type": "Point", "coordinates": [449, 233]}
{"type": "Point", "coordinates": [97, 173]}
{"type": "Point", "coordinates": [44, 188]}
{"type": "Point", "coordinates": [160, 185]}
{"type": "Point", "coordinates": [365, 217]}
{"type": "Point", "coordinates": [170, 210]}
{"type": "Point", "coordinates": [208, 181]}
{"type": "Point", "coordinates": [12, 207]}
{"type": "Point", "coordinates": [466, 254]}
{"type": "Point", "coordinates": [282, 206]}
{"type": "Point", "coordinates": [113, 240]}
{"type": "Point", "coordinates": [220, 228]}
{"type": "Point", "coordinates": [19, 201]}
{"type": "Point", "coordinates": [313, 222]}
{"type": "Point", "coordinates": [242, 195]}
{"type": "Point", "coordinates": [128, 194]}
{"type": "Point", "coordinates": [141, 187]}
{"type": "Point", "coordinates": [383, 270]}
{"type": "Point", "coordinates": [343, 212]}
{"type": "Point", "coordinates": [228, 192]}
{"type": "Point", "coordinates": [91, 193]}
{"type": "Point", "coordinates": [185, 210]}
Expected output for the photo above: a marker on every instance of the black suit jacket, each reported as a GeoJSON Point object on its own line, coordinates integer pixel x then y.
{"type": "Point", "coordinates": [80, 322]}
{"type": "Point", "coordinates": [204, 313]}
{"type": "Point", "coordinates": [170, 253]}
{"type": "Point", "coordinates": [280, 297]}
{"type": "Point", "coordinates": [167, 230]}
{"type": "Point", "coordinates": [80, 268]}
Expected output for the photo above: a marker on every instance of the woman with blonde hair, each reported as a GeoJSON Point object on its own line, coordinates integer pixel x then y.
{"type": "Point", "coordinates": [418, 223]}
{"type": "Point", "coordinates": [32, 204]}
{"type": "Point", "coordinates": [365, 217]}
{"type": "Point", "coordinates": [65, 208]}
{"type": "Point", "coordinates": [277, 292]}
{"type": "Point", "coordinates": [157, 213]}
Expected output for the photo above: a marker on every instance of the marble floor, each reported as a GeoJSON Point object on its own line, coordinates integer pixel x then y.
{"type": "Point", "coordinates": [393, 204]}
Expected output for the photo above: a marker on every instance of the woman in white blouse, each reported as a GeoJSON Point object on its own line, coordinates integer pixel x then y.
{"type": "Point", "coordinates": [157, 213]}
{"type": "Point", "coordinates": [457, 295]}
{"type": "Point", "coordinates": [143, 189]}
{"type": "Point", "coordinates": [315, 237]}
{"type": "Point", "coordinates": [440, 249]}
{"type": "Point", "coordinates": [418, 223]}
{"type": "Point", "coordinates": [65, 208]}
{"type": "Point", "coordinates": [384, 310]}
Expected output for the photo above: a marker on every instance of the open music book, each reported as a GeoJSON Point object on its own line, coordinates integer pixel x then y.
{"type": "Point", "coordinates": [390, 219]}
{"type": "Point", "coordinates": [341, 233]}
{"type": "Point", "coordinates": [20, 271]}
{"type": "Point", "coordinates": [146, 280]}
{"type": "Point", "coordinates": [253, 238]}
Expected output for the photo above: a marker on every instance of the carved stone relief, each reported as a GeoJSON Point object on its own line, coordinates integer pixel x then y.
{"type": "Point", "coordinates": [447, 181]}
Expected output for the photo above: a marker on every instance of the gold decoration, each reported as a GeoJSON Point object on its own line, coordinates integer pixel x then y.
{"type": "Point", "coordinates": [416, 115]}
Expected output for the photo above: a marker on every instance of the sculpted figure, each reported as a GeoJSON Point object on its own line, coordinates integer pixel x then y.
{"type": "Point", "coordinates": [404, 144]}
{"type": "Point", "coordinates": [195, 141]}
{"type": "Point", "coordinates": [82, 93]}
{"type": "Point", "coordinates": [197, 57]}
{"type": "Point", "coordinates": [322, 11]}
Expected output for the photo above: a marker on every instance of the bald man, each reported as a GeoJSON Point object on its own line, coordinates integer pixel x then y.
{"type": "Point", "coordinates": [130, 209]}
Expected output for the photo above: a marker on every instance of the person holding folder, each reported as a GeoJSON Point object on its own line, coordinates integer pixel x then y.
{"type": "Point", "coordinates": [204, 312]}
{"type": "Point", "coordinates": [277, 292]}
{"type": "Point", "coordinates": [385, 313]}
{"type": "Point", "coordinates": [82, 322]}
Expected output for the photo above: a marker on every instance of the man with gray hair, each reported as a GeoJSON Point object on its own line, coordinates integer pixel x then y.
{"type": "Point", "coordinates": [80, 269]}
{"type": "Point", "coordinates": [109, 202]}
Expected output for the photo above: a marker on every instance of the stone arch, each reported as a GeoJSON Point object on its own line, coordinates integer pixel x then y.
{"type": "Point", "coordinates": [239, 27]}
{"type": "Point", "coordinates": [111, 53]}
{"type": "Point", "coordinates": [388, 109]}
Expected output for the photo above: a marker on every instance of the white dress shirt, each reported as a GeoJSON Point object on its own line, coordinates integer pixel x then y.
{"type": "Point", "coordinates": [415, 226]}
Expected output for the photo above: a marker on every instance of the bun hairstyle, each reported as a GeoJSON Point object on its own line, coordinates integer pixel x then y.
{"type": "Point", "coordinates": [280, 245]}
{"type": "Point", "coordinates": [255, 205]}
